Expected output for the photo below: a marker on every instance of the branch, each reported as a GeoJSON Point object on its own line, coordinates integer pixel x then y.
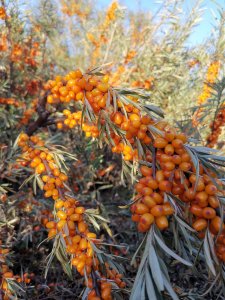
{"type": "Point", "coordinates": [43, 116]}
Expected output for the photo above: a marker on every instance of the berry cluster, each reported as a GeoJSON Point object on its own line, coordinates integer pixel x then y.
{"type": "Point", "coordinates": [29, 113]}
{"type": "Point", "coordinates": [211, 75]}
{"type": "Point", "coordinates": [10, 101]}
{"type": "Point", "coordinates": [69, 219]}
{"type": "Point", "coordinates": [150, 206]}
{"type": "Point", "coordinates": [220, 246]}
{"type": "Point", "coordinates": [73, 8]}
{"type": "Point", "coordinates": [97, 92]}
{"type": "Point", "coordinates": [74, 86]}
{"type": "Point", "coordinates": [175, 172]}
{"type": "Point", "coordinates": [216, 128]}
{"type": "Point", "coordinates": [2, 13]}
{"type": "Point", "coordinates": [6, 275]}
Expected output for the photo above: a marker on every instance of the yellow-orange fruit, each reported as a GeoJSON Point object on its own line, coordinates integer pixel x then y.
{"type": "Point", "coordinates": [200, 224]}
{"type": "Point", "coordinates": [141, 209]}
{"type": "Point", "coordinates": [161, 222]}
{"type": "Point", "coordinates": [147, 219]}
{"type": "Point", "coordinates": [208, 213]}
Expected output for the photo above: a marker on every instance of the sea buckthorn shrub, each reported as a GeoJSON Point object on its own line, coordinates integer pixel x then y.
{"type": "Point", "coordinates": [177, 179]}
{"type": "Point", "coordinates": [26, 60]}
{"type": "Point", "coordinates": [69, 219]}
{"type": "Point", "coordinates": [54, 203]}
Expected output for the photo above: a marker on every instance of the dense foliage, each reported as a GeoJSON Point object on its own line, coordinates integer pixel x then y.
{"type": "Point", "coordinates": [111, 161]}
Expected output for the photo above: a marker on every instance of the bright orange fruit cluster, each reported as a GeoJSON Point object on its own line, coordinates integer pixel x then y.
{"type": "Point", "coordinates": [175, 171]}
{"type": "Point", "coordinates": [69, 218]}
{"type": "Point", "coordinates": [7, 274]}
{"type": "Point", "coordinates": [150, 207]}
{"type": "Point", "coordinates": [71, 8]}
{"type": "Point", "coordinates": [76, 87]}
{"type": "Point", "coordinates": [216, 128]}
{"type": "Point", "coordinates": [10, 101]}
{"type": "Point", "coordinates": [2, 13]}
{"type": "Point", "coordinates": [211, 76]}
{"type": "Point", "coordinates": [220, 246]}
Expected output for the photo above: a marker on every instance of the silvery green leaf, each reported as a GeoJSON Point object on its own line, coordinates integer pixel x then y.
{"type": "Point", "coordinates": [170, 289]}
{"type": "Point", "coordinates": [137, 287]}
{"type": "Point", "coordinates": [157, 110]}
{"type": "Point", "coordinates": [155, 267]}
{"type": "Point", "coordinates": [208, 257]}
{"type": "Point", "coordinates": [150, 287]}
{"type": "Point", "coordinates": [170, 252]}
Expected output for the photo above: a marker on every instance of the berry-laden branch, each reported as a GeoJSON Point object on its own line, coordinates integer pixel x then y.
{"type": "Point", "coordinates": [211, 76]}
{"type": "Point", "coordinates": [69, 220]}
{"type": "Point", "coordinates": [177, 178]}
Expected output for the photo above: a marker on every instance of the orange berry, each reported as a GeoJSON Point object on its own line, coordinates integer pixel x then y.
{"type": "Point", "coordinates": [79, 210]}
{"type": "Point", "coordinates": [59, 204]}
{"type": "Point", "coordinates": [160, 143]}
{"type": "Point", "coordinates": [169, 149]}
{"type": "Point", "coordinates": [200, 224]}
{"type": "Point", "coordinates": [157, 211]}
{"type": "Point", "coordinates": [76, 239]}
{"type": "Point", "coordinates": [147, 219]}
{"type": "Point", "coordinates": [50, 225]}
{"type": "Point", "coordinates": [159, 175]}
{"type": "Point", "coordinates": [216, 223]}
{"type": "Point", "coordinates": [147, 191]}
{"type": "Point", "coordinates": [141, 208]}
{"type": "Point", "coordinates": [61, 224]}
{"type": "Point", "coordinates": [146, 171]}
{"type": "Point", "coordinates": [185, 166]}
{"type": "Point", "coordinates": [211, 189]}
{"type": "Point", "coordinates": [82, 227]}
{"type": "Point", "coordinates": [152, 183]}
{"type": "Point", "coordinates": [48, 193]}
{"type": "Point", "coordinates": [61, 215]}
{"type": "Point", "coordinates": [213, 201]}
{"type": "Point", "coordinates": [70, 225]}
{"type": "Point", "coordinates": [52, 232]}
{"type": "Point", "coordinates": [208, 213]}
{"type": "Point", "coordinates": [157, 198]}
{"type": "Point", "coordinates": [63, 177]}
{"type": "Point", "coordinates": [167, 209]}
{"type": "Point", "coordinates": [135, 218]}
{"type": "Point", "coordinates": [8, 275]}
{"type": "Point", "coordinates": [165, 186]}
{"type": "Point", "coordinates": [40, 168]}
{"type": "Point", "coordinates": [196, 210]}
{"type": "Point", "coordinates": [83, 244]}
{"type": "Point", "coordinates": [177, 143]}
{"type": "Point", "coordinates": [75, 217]}
{"type": "Point", "coordinates": [161, 222]}
{"type": "Point", "coordinates": [149, 201]}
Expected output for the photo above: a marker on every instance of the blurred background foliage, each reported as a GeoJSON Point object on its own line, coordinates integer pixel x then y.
{"type": "Point", "coordinates": [139, 48]}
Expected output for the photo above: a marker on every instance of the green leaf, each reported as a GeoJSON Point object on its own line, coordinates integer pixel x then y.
{"type": "Point", "coordinates": [137, 287]}
{"type": "Point", "coordinates": [155, 109]}
{"type": "Point", "coordinates": [169, 288]}
{"type": "Point", "coordinates": [208, 257]}
{"type": "Point", "coordinates": [170, 252]}
{"type": "Point", "coordinates": [149, 286]}
{"type": "Point", "coordinates": [138, 249]}
{"type": "Point", "coordinates": [155, 267]}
